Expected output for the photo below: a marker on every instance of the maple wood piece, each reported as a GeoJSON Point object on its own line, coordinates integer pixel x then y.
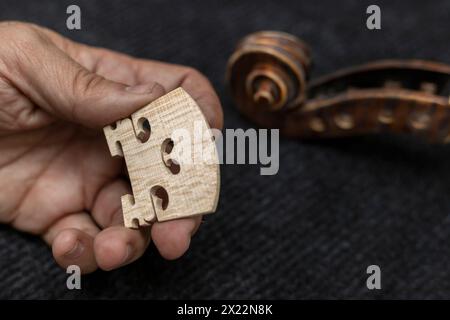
{"type": "Point", "coordinates": [164, 186]}
{"type": "Point", "coordinates": [268, 74]}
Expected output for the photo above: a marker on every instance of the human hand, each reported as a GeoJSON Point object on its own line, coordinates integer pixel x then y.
{"type": "Point", "coordinates": [58, 178]}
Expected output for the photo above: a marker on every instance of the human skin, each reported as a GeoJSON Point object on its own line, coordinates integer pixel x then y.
{"type": "Point", "coordinates": [58, 179]}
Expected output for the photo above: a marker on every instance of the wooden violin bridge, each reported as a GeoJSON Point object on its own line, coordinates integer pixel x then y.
{"type": "Point", "coordinates": [173, 173]}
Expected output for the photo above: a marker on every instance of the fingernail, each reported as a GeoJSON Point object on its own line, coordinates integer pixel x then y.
{"type": "Point", "coordinates": [146, 88]}
{"type": "Point", "coordinates": [75, 252]}
{"type": "Point", "coordinates": [127, 255]}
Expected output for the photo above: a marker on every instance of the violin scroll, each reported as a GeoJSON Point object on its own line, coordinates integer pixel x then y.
{"type": "Point", "coordinates": [269, 71]}
{"type": "Point", "coordinates": [268, 77]}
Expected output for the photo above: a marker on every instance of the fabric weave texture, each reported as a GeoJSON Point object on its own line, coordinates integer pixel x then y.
{"type": "Point", "coordinates": [334, 207]}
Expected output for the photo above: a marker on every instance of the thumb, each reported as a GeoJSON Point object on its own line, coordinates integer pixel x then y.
{"type": "Point", "coordinates": [62, 87]}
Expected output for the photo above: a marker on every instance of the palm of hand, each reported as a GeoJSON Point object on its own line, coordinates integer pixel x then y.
{"type": "Point", "coordinates": [54, 172]}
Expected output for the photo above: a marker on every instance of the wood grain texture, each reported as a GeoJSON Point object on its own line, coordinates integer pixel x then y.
{"type": "Point", "coordinates": [192, 187]}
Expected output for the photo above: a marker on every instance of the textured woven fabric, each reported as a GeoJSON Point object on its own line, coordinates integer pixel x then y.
{"type": "Point", "coordinates": [333, 209]}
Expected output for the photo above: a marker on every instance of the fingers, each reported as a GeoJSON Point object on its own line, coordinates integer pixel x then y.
{"type": "Point", "coordinates": [71, 239]}
{"type": "Point", "coordinates": [74, 247]}
{"type": "Point", "coordinates": [71, 80]}
{"type": "Point", "coordinates": [172, 238]}
{"type": "Point", "coordinates": [107, 209]}
{"type": "Point", "coordinates": [53, 80]}
{"type": "Point", "coordinates": [203, 93]}
{"type": "Point", "coordinates": [197, 85]}
{"type": "Point", "coordinates": [116, 245]}
{"type": "Point", "coordinates": [123, 68]}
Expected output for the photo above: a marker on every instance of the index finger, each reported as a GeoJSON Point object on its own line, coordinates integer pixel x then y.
{"type": "Point", "coordinates": [196, 84]}
{"type": "Point", "coordinates": [128, 70]}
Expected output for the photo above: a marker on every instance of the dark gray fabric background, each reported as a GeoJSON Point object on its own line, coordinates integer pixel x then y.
{"type": "Point", "coordinates": [333, 209]}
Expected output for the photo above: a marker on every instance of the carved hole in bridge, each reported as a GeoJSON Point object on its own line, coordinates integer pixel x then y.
{"type": "Point", "coordinates": [135, 223]}
{"type": "Point", "coordinates": [344, 120]}
{"type": "Point", "coordinates": [171, 164]}
{"type": "Point", "coordinates": [119, 147]}
{"type": "Point", "coordinates": [161, 195]}
{"type": "Point", "coordinates": [167, 146]}
{"type": "Point", "coordinates": [144, 130]}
